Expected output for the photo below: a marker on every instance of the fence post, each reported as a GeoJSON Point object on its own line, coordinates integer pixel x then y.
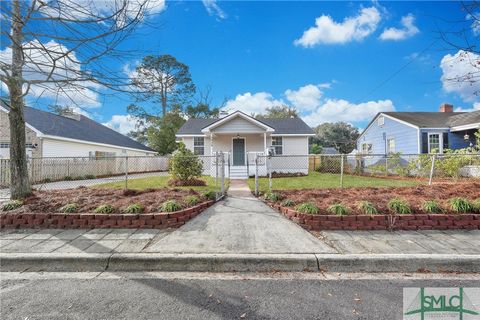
{"type": "Point", "coordinates": [222, 175]}
{"type": "Point", "coordinates": [269, 168]}
{"type": "Point", "coordinates": [126, 172]}
{"type": "Point", "coordinates": [341, 172]}
{"type": "Point", "coordinates": [432, 169]}
{"type": "Point", "coordinates": [256, 174]}
{"type": "Point", "coordinates": [386, 165]}
{"type": "Point", "coordinates": [216, 170]}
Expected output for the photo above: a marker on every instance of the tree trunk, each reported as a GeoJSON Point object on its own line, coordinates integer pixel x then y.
{"type": "Point", "coordinates": [19, 182]}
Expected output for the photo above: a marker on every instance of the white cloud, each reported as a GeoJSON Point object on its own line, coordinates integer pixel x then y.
{"type": "Point", "coordinates": [122, 123]}
{"type": "Point", "coordinates": [408, 30]}
{"type": "Point", "coordinates": [252, 103]}
{"type": "Point", "coordinates": [461, 75]}
{"type": "Point", "coordinates": [213, 9]}
{"type": "Point", "coordinates": [45, 59]}
{"type": "Point", "coordinates": [334, 110]}
{"type": "Point", "coordinates": [327, 31]}
{"type": "Point", "coordinates": [306, 97]}
{"type": "Point", "coordinates": [475, 107]}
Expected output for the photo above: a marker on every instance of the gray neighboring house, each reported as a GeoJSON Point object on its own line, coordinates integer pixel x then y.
{"type": "Point", "coordinates": [242, 137]}
{"type": "Point", "coordinates": [69, 135]}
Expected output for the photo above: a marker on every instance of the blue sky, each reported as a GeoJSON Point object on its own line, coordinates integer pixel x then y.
{"type": "Point", "coordinates": [330, 60]}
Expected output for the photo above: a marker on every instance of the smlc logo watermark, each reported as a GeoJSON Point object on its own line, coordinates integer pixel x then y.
{"type": "Point", "coordinates": [441, 303]}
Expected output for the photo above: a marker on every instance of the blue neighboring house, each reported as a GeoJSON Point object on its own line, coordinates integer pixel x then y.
{"type": "Point", "coordinates": [419, 132]}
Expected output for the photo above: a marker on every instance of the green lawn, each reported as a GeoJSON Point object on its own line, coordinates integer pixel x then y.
{"type": "Point", "coordinates": [316, 180]}
{"type": "Point", "coordinates": [158, 182]}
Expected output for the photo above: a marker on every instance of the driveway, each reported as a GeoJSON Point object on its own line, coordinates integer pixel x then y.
{"type": "Point", "coordinates": [239, 224]}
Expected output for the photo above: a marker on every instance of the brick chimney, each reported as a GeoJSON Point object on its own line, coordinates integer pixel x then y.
{"type": "Point", "coordinates": [445, 107]}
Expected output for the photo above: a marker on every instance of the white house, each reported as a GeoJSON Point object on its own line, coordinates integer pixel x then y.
{"type": "Point", "coordinates": [242, 137]}
{"type": "Point", "coordinates": [72, 135]}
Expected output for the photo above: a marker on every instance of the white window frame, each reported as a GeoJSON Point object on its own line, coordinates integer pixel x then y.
{"type": "Point", "coordinates": [381, 121]}
{"type": "Point", "coordinates": [275, 146]}
{"type": "Point", "coordinates": [199, 146]}
{"type": "Point", "coordinates": [440, 141]}
{"type": "Point", "coordinates": [389, 150]}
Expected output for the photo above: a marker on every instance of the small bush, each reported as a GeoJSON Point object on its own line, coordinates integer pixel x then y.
{"type": "Point", "coordinates": [476, 205]}
{"type": "Point", "coordinates": [461, 205]}
{"type": "Point", "coordinates": [68, 178]}
{"type": "Point", "coordinates": [134, 208]}
{"type": "Point", "coordinates": [104, 208]}
{"type": "Point", "coordinates": [192, 200]}
{"type": "Point", "coordinates": [210, 195]}
{"type": "Point", "coordinates": [367, 207]}
{"type": "Point", "coordinates": [69, 208]}
{"type": "Point", "coordinates": [47, 180]}
{"type": "Point", "coordinates": [90, 176]}
{"type": "Point", "coordinates": [184, 164]}
{"type": "Point", "coordinates": [399, 206]}
{"type": "Point", "coordinates": [12, 205]}
{"type": "Point", "coordinates": [170, 206]}
{"type": "Point", "coordinates": [307, 207]}
{"type": "Point", "coordinates": [78, 178]}
{"type": "Point", "coordinates": [273, 196]}
{"type": "Point", "coordinates": [338, 209]}
{"type": "Point", "coordinates": [288, 203]}
{"type": "Point", "coordinates": [431, 206]}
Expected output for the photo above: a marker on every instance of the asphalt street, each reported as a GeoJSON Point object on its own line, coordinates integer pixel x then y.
{"type": "Point", "coordinates": [210, 297]}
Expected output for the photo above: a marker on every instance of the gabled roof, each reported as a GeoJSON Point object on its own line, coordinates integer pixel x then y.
{"type": "Point", "coordinates": [465, 118]}
{"type": "Point", "coordinates": [281, 126]}
{"type": "Point", "coordinates": [83, 129]}
{"type": "Point", "coordinates": [238, 114]}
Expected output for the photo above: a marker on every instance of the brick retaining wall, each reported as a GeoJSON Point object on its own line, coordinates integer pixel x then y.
{"type": "Point", "coordinates": [381, 222]}
{"type": "Point", "coordinates": [90, 220]}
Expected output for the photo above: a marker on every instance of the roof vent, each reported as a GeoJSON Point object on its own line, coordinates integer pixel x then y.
{"type": "Point", "coordinates": [223, 113]}
{"type": "Point", "coordinates": [71, 115]}
{"type": "Point", "coordinates": [445, 107]}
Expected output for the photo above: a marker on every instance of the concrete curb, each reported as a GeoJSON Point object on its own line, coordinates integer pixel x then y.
{"type": "Point", "coordinates": [238, 262]}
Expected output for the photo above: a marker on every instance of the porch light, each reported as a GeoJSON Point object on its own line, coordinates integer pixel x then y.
{"type": "Point", "coordinates": [238, 136]}
{"type": "Point", "coordinates": [466, 137]}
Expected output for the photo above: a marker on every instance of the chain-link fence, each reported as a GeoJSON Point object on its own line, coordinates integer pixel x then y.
{"type": "Point", "coordinates": [72, 172]}
{"type": "Point", "coordinates": [340, 170]}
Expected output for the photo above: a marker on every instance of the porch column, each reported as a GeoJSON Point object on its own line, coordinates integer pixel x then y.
{"type": "Point", "coordinates": [265, 142]}
{"type": "Point", "coordinates": [211, 143]}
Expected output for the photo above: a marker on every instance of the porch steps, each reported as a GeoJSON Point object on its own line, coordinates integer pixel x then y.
{"type": "Point", "coordinates": [238, 172]}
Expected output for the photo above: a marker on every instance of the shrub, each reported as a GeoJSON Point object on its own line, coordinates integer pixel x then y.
{"type": "Point", "coordinates": [12, 205]}
{"type": "Point", "coordinates": [273, 196]}
{"type": "Point", "coordinates": [184, 164]}
{"type": "Point", "coordinates": [47, 180]}
{"type": "Point", "coordinates": [338, 209]}
{"type": "Point", "coordinates": [134, 208]}
{"type": "Point", "coordinates": [288, 203]}
{"type": "Point", "coordinates": [192, 200]}
{"type": "Point", "coordinates": [461, 205]}
{"type": "Point", "coordinates": [78, 178]}
{"type": "Point", "coordinates": [210, 195]}
{"type": "Point", "coordinates": [104, 208]}
{"type": "Point", "coordinates": [367, 207]}
{"type": "Point", "coordinates": [431, 206]}
{"type": "Point", "coordinates": [307, 207]}
{"type": "Point", "coordinates": [399, 206]}
{"type": "Point", "coordinates": [90, 176]}
{"type": "Point", "coordinates": [68, 178]}
{"type": "Point", "coordinates": [170, 206]}
{"type": "Point", "coordinates": [69, 208]}
{"type": "Point", "coordinates": [476, 205]}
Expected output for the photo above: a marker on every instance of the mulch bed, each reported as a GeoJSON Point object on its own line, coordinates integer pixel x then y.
{"type": "Point", "coordinates": [88, 199]}
{"type": "Point", "coordinates": [380, 196]}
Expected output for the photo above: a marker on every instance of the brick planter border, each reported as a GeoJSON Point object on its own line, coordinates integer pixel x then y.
{"type": "Point", "coordinates": [380, 222]}
{"type": "Point", "coordinates": [160, 220]}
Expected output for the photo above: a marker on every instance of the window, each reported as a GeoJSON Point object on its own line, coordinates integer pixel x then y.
{"type": "Point", "coordinates": [199, 145]}
{"type": "Point", "coordinates": [101, 154]}
{"type": "Point", "coordinates": [381, 121]}
{"type": "Point", "coordinates": [277, 144]}
{"type": "Point", "coordinates": [390, 146]}
{"type": "Point", "coordinates": [434, 143]}
{"type": "Point", "coordinates": [4, 145]}
{"type": "Point", "coordinates": [366, 148]}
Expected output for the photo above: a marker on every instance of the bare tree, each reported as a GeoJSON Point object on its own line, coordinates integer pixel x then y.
{"type": "Point", "coordinates": [59, 47]}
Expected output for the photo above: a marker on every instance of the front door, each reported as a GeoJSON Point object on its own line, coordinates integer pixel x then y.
{"type": "Point", "coordinates": [238, 151]}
